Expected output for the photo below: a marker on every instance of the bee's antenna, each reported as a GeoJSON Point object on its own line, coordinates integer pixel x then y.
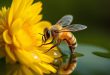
{"type": "Point", "coordinates": [41, 34]}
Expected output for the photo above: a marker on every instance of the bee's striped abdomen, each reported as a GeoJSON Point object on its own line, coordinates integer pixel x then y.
{"type": "Point", "coordinates": [71, 40]}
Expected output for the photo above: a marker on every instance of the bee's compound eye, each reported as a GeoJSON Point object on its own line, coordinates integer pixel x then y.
{"type": "Point", "coordinates": [48, 34]}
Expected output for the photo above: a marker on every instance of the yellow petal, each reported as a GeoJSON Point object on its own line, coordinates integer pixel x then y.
{"type": "Point", "coordinates": [36, 8]}
{"type": "Point", "coordinates": [11, 13]}
{"type": "Point", "coordinates": [36, 19]}
{"type": "Point", "coordinates": [36, 69]}
{"type": "Point", "coordinates": [15, 42]}
{"type": "Point", "coordinates": [23, 38]}
{"type": "Point", "coordinates": [26, 70]}
{"type": "Point", "coordinates": [16, 4]}
{"type": "Point", "coordinates": [9, 53]}
{"type": "Point", "coordinates": [32, 11]}
{"type": "Point", "coordinates": [21, 4]}
{"type": "Point", "coordinates": [16, 26]}
{"type": "Point", "coordinates": [43, 69]}
{"type": "Point", "coordinates": [44, 58]}
{"type": "Point", "coordinates": [29, 2]}
{"type": "Point", "coordinates": [4, 11]}
{"type": "Point", "coordinates": [24, 56]}
{"type": "Point", "coordinates": [6, 37]}
{"type": "Point", "coordinates": [48, 67]}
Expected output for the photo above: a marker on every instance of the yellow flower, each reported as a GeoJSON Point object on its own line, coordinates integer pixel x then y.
{"type": "Point", "coordinates": [20, 26]}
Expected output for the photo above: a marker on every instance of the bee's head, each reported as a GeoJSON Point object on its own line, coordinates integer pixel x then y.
{"type": "Point", "coordinates": [46, 35]}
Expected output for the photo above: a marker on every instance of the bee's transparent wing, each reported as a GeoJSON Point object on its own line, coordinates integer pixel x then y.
{"type": "Point", "coordinates": [65, 20]}
{"type": "Point", "coordinates": [74, 28]}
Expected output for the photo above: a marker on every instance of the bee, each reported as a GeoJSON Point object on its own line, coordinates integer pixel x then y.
{"type": "Point", "coordinates": [61, 31]}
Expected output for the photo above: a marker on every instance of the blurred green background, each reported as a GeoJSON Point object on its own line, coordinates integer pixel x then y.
{"type": "Point", "coordinates": [95, 39]}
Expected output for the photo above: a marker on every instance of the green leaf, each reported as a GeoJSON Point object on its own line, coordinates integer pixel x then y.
{"type": "Point", "coordinates": [102, 54]}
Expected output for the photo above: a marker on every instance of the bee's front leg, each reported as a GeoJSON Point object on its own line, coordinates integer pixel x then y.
{"type": "Point", "coordinates": [47, 43]}
{"type": "Point", "coordinates": [58, 42]}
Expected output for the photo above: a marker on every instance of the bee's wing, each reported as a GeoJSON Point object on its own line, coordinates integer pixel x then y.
{"type": "Point", "coordinates": [74, 28]}
{"type": "Point", "coordinates": [65, 20]}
